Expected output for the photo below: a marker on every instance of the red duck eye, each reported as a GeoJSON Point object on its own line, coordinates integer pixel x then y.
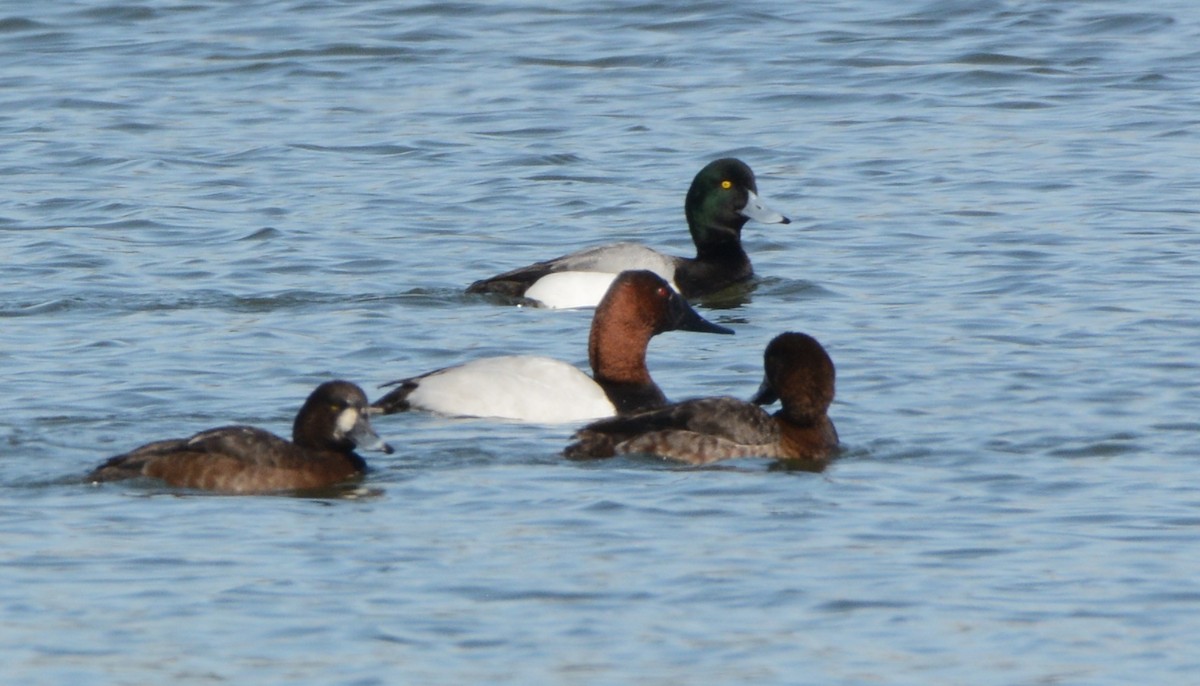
{"type": "Point", "coordinates": [663, 292]}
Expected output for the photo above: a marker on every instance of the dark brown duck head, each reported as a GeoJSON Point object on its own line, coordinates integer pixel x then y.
{"type": "Point", "coordinates": [335, 417]}
{"type": "Point", "coordinates": [799, 374]}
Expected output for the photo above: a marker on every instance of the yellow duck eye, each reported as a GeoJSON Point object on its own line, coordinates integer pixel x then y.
{"type": "Point", "coordinates": [727, 184]}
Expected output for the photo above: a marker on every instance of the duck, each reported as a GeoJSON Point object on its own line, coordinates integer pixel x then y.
{"type": "Point", "coordinates": [331, 424]}
{"type": "Point", "coordinates": [722, 198]}
{"type": "Point", "coordinates": [639, 304]}
{"type": "Point", "coordinates": [798, 372]}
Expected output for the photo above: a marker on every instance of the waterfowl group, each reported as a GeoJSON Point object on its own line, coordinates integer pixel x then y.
{"type": "Point", "coordinates": [638, 293]}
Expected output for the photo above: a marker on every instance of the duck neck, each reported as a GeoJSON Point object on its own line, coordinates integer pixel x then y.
{"type": "Point", "coordinates": [714, 268]}
{"type": "Point", "coordinates": [618, 354]}
{"type": "Point", "coordinates": [811, 438]}
{"type": "Point", "coordinates": [719, 243]}
{"type": "Point", "coordinates": [618, 359]}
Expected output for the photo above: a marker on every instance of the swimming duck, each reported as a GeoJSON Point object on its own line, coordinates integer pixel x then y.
{"type": "Point", "coordinates": [638, 305]}
{"type": "Point", "coordinates": [721, 199]}
{"type": "Point", "coordinates": [243, 459]}
{"type": "Point", "coordinates": [799, 373]}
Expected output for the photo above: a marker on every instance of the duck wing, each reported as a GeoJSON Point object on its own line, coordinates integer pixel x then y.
{"type": "Point", "coordinates": [724, 419]}
{"type": "Point", "coordinates": [613, 258]}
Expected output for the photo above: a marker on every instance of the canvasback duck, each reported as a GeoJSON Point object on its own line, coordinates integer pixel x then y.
{"type": "Point", "coordinates": [721, 199]}
{"type": "Point", "coordinates": [244, 459]}
{"type": "Point", "coordinates": [638, 305]}
{"type": "Point", "coordinates": [799, 373]}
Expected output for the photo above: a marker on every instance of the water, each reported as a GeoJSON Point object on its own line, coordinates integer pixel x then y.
{"type": "Point", "coordinates": [208, 208]}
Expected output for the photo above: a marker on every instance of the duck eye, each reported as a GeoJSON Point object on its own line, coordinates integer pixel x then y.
{"type": "Point", "coordinates": [662, 292]}
{"type": "Point", "coordinates": [726, 184]}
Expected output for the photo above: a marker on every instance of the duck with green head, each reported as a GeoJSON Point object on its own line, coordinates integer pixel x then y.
{"type": "Point", "coordinates": [721, 199]}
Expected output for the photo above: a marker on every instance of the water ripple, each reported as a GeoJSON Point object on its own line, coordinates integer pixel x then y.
{"type": "Point", "coordinates": [213, 207]}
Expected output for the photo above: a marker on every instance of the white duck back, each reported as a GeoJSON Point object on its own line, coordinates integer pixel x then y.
{"type": "Point", "coordinates": [523, 387]}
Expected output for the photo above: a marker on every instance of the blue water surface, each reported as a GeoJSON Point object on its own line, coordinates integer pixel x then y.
{"type": "Point", "coordinates": [208, 208]}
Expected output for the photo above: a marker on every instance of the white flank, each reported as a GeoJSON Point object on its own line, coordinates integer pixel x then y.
{"type": "Point", "coordinates": [586, 275]}
{"type": "Point", "coordinates": [527, 388]}
{"type": "Point", "coordinates": [565, 290]}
